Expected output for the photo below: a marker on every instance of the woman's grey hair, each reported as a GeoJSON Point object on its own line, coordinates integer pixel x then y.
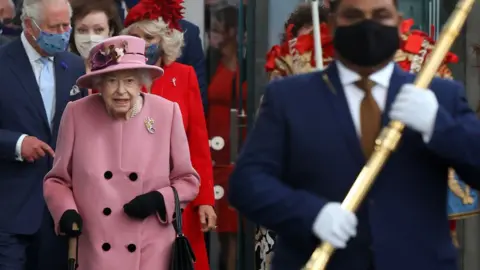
{"type": "Point", "coordinates": [33, 9]}
{"type": "Point", "coordinates": [142, 74]}
{"type": "Point", "coordinates": [171, 40]}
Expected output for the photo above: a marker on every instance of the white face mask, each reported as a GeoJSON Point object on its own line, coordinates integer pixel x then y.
{"type": "Point", "coordinates": [86, 42]}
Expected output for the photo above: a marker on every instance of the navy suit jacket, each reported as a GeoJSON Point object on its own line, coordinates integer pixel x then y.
{"type": "Point", "coordinates": [22, 112]}
{"type": "Point", "coordinates": [194, 56]}
{"type": "Point", "coordinates": [304, 152]}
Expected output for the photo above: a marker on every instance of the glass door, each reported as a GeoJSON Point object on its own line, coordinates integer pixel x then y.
{"type": "Point", "coordinates": [425, 13]}
{"type": "Point", "coordinates": [418, 10]}
{"type": "Point", "coordinates": [225, 28]}
{"type": "Point", "coordinates": [428, 13]}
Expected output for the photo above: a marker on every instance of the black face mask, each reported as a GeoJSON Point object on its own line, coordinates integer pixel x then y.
{"type": "Point", "coordinates": [367, 43]}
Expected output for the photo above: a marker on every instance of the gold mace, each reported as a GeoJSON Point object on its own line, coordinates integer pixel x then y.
{"type": "Point", "coordinates": [389, 137]}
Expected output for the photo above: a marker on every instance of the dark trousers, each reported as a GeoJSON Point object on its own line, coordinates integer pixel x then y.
{"type": "Point", "coordinates": [206, 236]}
{"type": "Point", "coordinates": [13, 251]}
{"type": "Point", "coordinates": [40, 251]}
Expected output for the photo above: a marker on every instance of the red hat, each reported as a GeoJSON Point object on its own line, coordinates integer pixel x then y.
{"type": "Point", "coordinates": [170, 11]}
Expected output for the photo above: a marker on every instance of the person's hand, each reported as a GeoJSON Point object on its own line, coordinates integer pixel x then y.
{"type": "Point", "coordinates": [208, 218]}
{"type": "Point", "coordinates": [66, 222]}
{"type": "Point", "coordinates": [335, 225]}
{"type": "Point", "coordinates": [145, 205]}
{"type": "Point", "coordinates": [7, 10]}
{"type": "Point", "coordinates": [33, 149]}
{"type": "Point", "coordinates": [417, 108]}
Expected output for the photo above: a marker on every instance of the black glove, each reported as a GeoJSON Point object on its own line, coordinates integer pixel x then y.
{"type": "Point", "coordinates": [145, 205]}
{"type": "Point", "coordinates": [67, 220]}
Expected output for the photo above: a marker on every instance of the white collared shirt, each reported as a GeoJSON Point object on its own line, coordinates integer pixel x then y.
{"type": "Point", "coordinates": [34, 58]}
{"type": "Point", "coordinates": [354, 95]}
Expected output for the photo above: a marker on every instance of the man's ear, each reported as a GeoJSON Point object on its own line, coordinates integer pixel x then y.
{"type": "Point", "coordinates": [29, 27]}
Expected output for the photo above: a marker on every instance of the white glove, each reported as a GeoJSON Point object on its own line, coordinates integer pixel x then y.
{"type": "Point", "coordinates": [335, 225]}
{"type": "Point", "coordinates": [417, 108]}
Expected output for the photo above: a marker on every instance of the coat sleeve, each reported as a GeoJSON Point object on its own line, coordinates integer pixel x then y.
{"type": "Point", "coordinates": [257, 185]}
{"type": "Point", "coordinates": [182, 175]}
{"type": "Point", "coordinates": [456, 136]}
{"type": "Point", "coordinates": [57, 186]}
{"type": "Point", "coordinates": [8, 143]}
{"type": "Point", "coordinates": [130, 3]}
{"type": "Point", "coordinates": [198, 141]}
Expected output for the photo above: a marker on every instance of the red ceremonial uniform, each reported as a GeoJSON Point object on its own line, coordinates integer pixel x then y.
{"type": "Point", "coordinates": [179, 84]}
{"type": "Point", "coordinates": [221, 98]}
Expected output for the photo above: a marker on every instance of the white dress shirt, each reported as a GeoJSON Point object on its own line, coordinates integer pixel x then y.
{"type": "Point", "coordinates": [34, 59]}
{"type": "Point", "coordinates": [354, 95]}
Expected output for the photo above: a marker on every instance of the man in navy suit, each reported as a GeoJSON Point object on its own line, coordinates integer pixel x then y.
{"type": "Point", "coordinates": [3, 40]}
{"type": "Point", "coordinates": [37, 80]}
{"type": "Point", "coordinates": [315, 132]}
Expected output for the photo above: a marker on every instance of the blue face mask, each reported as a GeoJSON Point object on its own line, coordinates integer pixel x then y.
{"type": "Point", "coordinates": [53, 43]}
{"type": "Point", "coordinates": [152, 52]}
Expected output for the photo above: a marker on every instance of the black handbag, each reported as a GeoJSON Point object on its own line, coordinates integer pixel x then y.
{"type": "Point", "coordinates": [183, 257]}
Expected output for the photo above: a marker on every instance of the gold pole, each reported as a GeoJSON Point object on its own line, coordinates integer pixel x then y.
{"type": "Point", "coordinates": [387, 142]}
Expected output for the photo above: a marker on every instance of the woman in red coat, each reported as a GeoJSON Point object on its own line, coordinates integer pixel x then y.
{"type": "Point", "coordinates": [157, 23]}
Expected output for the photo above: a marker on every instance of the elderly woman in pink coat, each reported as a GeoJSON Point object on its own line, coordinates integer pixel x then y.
{"type": "Point", "coordinates": [118, 155]}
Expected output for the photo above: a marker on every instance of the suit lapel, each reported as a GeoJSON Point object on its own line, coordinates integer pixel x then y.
{"type": "Point", "coordinates": [337, 100]}
{"type": "Point", "coordinates": [23, 71]}
{"type": "Point", "coordinates": [396, 82]}
{"type": "Point", "coordinates": [62, 88]}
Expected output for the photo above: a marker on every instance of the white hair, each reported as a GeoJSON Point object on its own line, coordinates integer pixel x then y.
{"type": "Point", "coordinates": [171, 40]}
{"type": "Point", "coordinates": [143, 75]}
{"type": "Point", "coordinates": [33, 9]}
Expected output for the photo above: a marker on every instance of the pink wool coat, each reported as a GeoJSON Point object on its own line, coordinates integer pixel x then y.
{"type": "Point", "coordinates": [101, 164]}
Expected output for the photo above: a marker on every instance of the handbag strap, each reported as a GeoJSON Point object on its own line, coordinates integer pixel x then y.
{"type": "Point", "coordinates": [177, 224]}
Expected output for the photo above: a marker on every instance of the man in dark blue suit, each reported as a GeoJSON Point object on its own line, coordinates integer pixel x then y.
{"type": "Point", "coordinates": [315, 132]}
{"type": "Point", "coordinates": [3, 40]}
{"type": "Point", "coordinates": [37, 80]}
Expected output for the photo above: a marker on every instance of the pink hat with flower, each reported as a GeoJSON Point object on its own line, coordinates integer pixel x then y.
{"type": "Point", "coordinates": [115, 54]}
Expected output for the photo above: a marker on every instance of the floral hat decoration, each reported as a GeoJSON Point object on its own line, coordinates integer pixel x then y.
{"type": "Point", "coordinates": [170, 11]}
{"type": "Point", "coordinates": [297, 54]}
{"type": "Point", "coordinates": [116, 54]}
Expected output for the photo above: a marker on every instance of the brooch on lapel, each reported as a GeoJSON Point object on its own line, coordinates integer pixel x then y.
{"type": "Point", "coordinates": [75, 90]}
{"type": "Point", "coordinates": [174, 81]}
{"type": "Point", "coordinates": [149, 122]}
{"type": "Point", "coordinates": [329, 84]}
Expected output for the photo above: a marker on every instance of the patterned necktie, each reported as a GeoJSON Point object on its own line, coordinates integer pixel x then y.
{"type": "Point", "coordinates": [370, 117]}
{"type": "Point", "coordinates": [46, 83]}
